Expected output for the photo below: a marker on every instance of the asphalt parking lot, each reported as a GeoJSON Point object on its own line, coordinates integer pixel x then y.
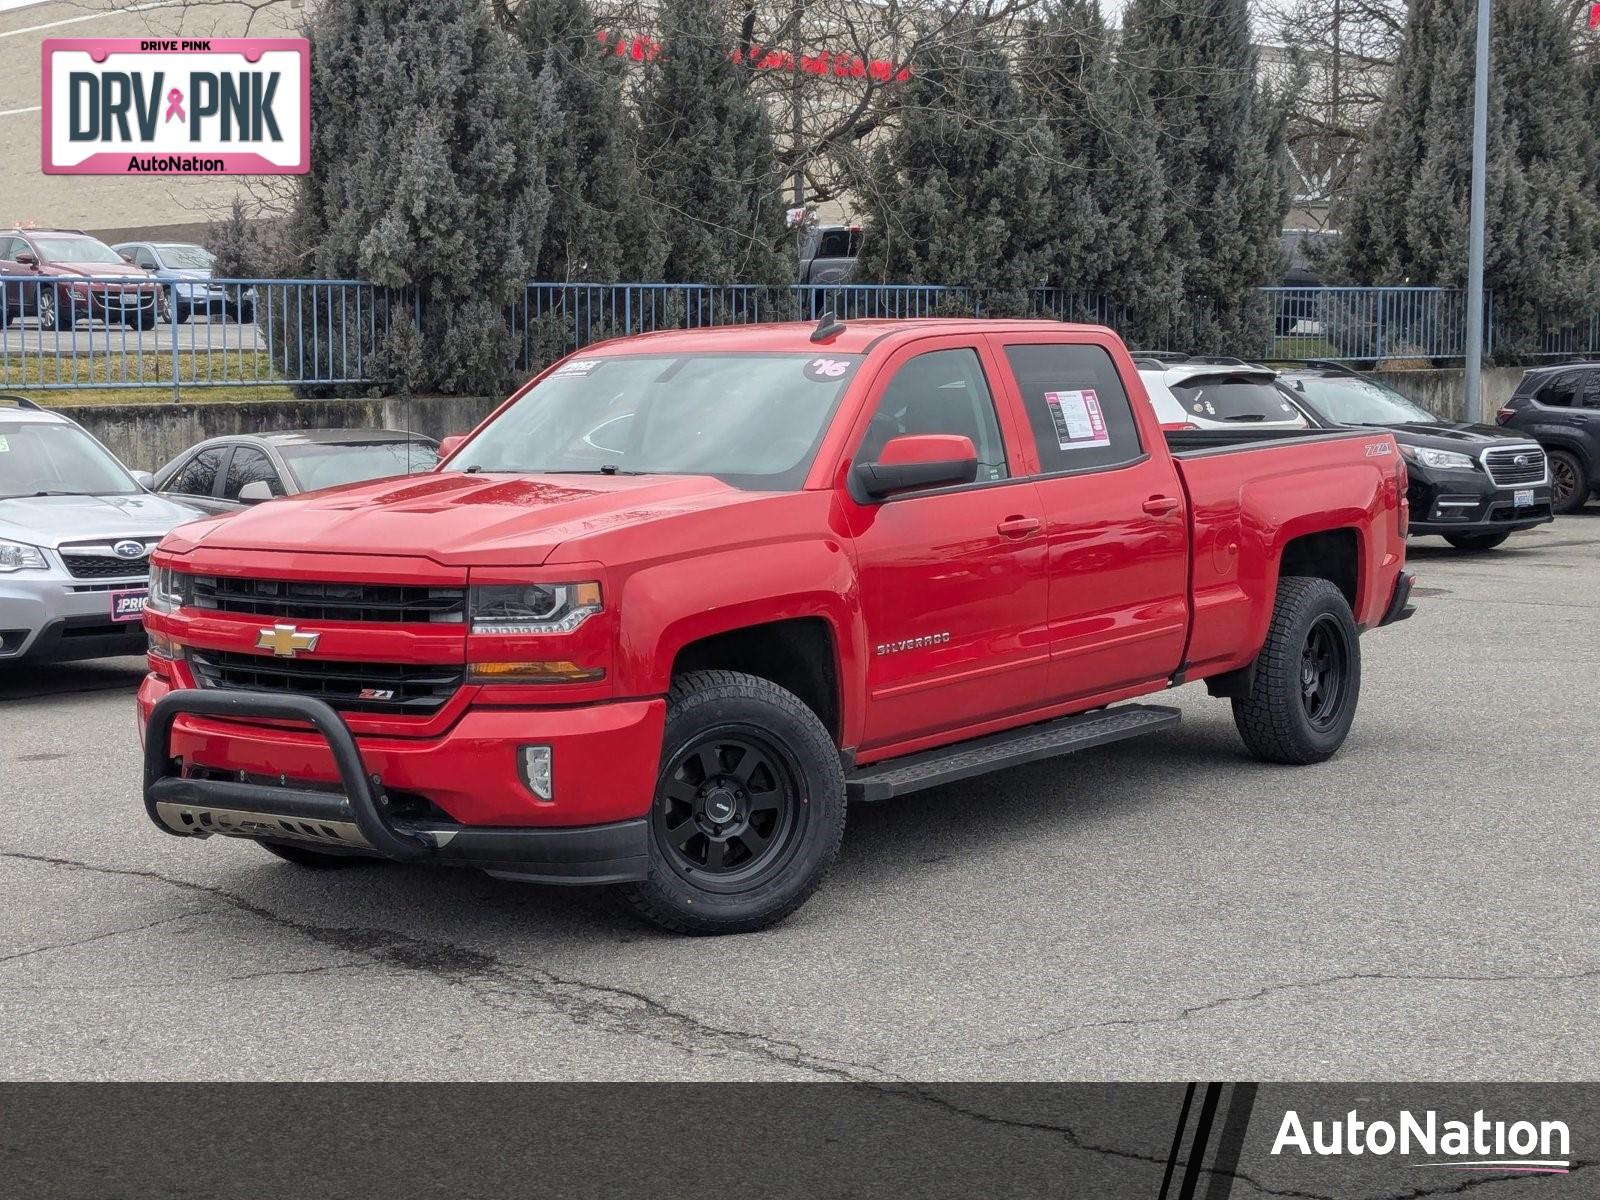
{"type": "Point", "coordinates": [1422, 907]}
{"type": "Point", "coordinates": [96, 338]}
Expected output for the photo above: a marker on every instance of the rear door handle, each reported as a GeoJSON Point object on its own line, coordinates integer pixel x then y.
{"type": "Point", "coordinates": [1157, 505]}
{"type": "Point", "coordinates": [1016, 527]}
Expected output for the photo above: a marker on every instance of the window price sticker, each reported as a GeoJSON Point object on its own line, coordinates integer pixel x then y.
{"type": "Point", "coordinates": [1080, 425]}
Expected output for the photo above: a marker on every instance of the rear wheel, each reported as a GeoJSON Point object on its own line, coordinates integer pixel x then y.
{"type": "Point", "coordinates": [749, 807]}
{"type": "Point", "coordinates": [1307, 679]}
{"type": "Point", "coordinates": [1569, 490]}
{"type": "Point", "coordinates": [1474, 543]}
{"type": "Point", "coordinates": [306, 856]}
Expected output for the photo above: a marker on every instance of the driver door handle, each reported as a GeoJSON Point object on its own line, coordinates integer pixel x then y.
{"type": "Point", "coordinates": [1018, 527]}
{"type": "Point", "coordinates": [1157, 505]}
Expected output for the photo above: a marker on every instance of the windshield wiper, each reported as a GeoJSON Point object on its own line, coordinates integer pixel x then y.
{"type": "Point", "coordinates": [1246, 417]}
{"type": "Point", "coordinates": [34, 495]}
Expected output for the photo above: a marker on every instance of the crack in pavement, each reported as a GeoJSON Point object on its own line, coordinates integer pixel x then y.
{"type": "Point", "coordinates": [1183, 1014]}
{"type": "Point", "coordinates": [98, 937]}
{"type": "Point", "coordinates": [512, 987]}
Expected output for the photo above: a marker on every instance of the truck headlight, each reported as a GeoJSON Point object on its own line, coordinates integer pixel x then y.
{"type": "Point", "coordinates": [1439, 460]}
{"type": "Point", "coordinates": [169, 590]}
{"type": "Point", "coordinates": [19, 556]}
{"type": "Point", "coordinates": [533, 607]}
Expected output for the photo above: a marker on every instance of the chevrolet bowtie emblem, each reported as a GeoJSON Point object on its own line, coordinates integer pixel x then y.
{"type": "Point", "coordinates": [286, 641]}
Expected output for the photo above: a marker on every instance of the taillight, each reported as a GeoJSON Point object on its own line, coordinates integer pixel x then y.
{"type": "Point", "coordinates": [1503, 417]}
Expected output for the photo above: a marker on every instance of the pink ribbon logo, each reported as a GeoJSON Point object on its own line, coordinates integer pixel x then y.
{"type": "Point", "coordinates": [175, 105]}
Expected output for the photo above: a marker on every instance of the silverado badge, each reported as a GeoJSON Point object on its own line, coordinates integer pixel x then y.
{"type": "Point", "coordinates": [286, 641]}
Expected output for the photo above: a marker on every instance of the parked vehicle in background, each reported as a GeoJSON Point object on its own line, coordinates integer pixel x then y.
{"type": "Point", "coordinates": [1215, 393]}
{"type": "Point", "coordinates": [1473, 485]}
{"type": "Point", "coordinates": [819, 565]}
{"type": "Point", "coordinates": [186, 269]}
{"type": "Point", "coordinates": [228, 473]}
{"type": "Point", "coordinates": [1559, 407]}
{"type": "Point", "coordinates": [38, 268]}
{"type": "Point", "coordinates": [828, 253]}
{"type": "Point", "coordinates": [76, 531]}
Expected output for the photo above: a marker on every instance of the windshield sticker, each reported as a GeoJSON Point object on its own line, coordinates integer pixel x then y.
{"type": "Point", "coordinates": [578, 366]}
{"type": "Point", "coordinates": [5, 446]}
{"type": "Point", "coordinates": [828, 370]}
{"type": "Point", "coordinates": [1080, 425]}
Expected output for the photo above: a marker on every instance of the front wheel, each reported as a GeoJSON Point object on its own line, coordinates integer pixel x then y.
{"type": "Point", "coordinates": [749, 807]}
{"type": "Point", "coordinates": [55, 311]}
{"type": "Point", "coordinates": [1474, 543]}
{"type": "Point", "coordinates": [1569, 490]}
{"type": "Point", "coordinates": [1307, 678]}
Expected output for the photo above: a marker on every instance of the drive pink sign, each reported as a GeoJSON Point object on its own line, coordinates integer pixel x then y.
{"type": "Point", "coordinates": [165, 106]}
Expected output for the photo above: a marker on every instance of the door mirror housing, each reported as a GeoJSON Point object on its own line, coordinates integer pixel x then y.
{"type": "Point", "coordinates": [916, 461]}
{"type": "Point", "coordinates": [449, 445]}
{"type": "Point", "coordinates": [255, 492]}
{"type": "Point", "coordinates": [27, 259]}
{"type": "Point", "coordinates": [144, 479]}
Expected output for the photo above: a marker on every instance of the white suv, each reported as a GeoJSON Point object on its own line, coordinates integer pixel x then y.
{"type": "Point", "coordinates": [76, 531]}
{"type": "Point", "coordinates": [1216, 393]}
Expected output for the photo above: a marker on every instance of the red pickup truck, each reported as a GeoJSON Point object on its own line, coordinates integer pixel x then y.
{"type": "Point", "coordinates": [680, 599]}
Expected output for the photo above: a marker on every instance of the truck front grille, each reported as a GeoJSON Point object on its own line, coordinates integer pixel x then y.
{"type": "Point", "coordinates": [294, 599]}
{"type": "Point", "coordinates": [396, 688]}
{"type": "Point", "coordinates": [94, 566]}
{"type": "Point", "coordinates": [1506, 470]}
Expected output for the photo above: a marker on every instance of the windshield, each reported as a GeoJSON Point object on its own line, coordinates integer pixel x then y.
{"type": "Point", "coordinates": [751, 420]}
{"type": "Point", "coordinates": [328, 464]}
{"type": "Point", "coordinates": [40, 459]}
{"type": "Point", "coordinates": [1348, 401]}
{"type": "Point", "coordinates": [1236, 398]}
{"type": "Point", "coordinates": [187, 258]}
{"type": "Point", "coordinates": [76, 250]}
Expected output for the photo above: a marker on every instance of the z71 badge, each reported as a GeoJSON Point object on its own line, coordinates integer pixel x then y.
{"type": "Point", "coordinates": [916, 643]}
{"type": "Point", "coordinates": [1374, 449]}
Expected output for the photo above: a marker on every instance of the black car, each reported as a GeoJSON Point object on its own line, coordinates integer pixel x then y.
{"type": "Point", "coordinates": [1559, 407]}
{"type": "Point", "coordinates": [227, 473]}
{"type": "Point", "coordinates": [1474, 485]}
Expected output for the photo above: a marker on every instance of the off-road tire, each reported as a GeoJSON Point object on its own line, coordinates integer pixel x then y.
{"type": "Point", "coordinates": [1274, 719]}
{"type": "Point", "coordinates": [704, 707]}
{"type": "Point", "coordinates": [1475, 543]}
{"type": "Point", "coordinates": [307, 856]}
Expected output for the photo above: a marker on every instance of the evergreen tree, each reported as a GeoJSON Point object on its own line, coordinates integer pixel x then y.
{"type": "Point", "coordinates": [1106, 248]}
{"type": "Point", "coordinates": [1220, 143]}
{"type": "Point", "coordinates": [599, 224]}
{"type": "Point", "coordinates": [1405, 220]}
{"type": "Point", "coordinates": [707, 152]}
{"type": "Point", "coordinates": [428, 145]}
{"type": "Point", "coordinates": [960, 191]}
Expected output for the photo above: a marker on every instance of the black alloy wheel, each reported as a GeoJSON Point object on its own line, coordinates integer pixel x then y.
{"type": "Point", "coordinates": [1324, 672]}
{"type": "Point", "coordinates": [729, 808]}
{"type": "Point", "coordinates": [1567, 489]}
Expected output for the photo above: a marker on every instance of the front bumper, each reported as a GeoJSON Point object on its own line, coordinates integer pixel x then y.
{"type": "Point", "coordinates": [48, 615]}
{"type": "Point", "coordinates": [1469, 502]}
{"type": "Point", "coordinates": [114, 305]}
{"type": "Point", "coordinates": [455, 799]}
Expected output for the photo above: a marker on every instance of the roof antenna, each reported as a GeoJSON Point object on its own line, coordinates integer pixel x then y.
{"type": "Point", "coordinates": [828, 327]}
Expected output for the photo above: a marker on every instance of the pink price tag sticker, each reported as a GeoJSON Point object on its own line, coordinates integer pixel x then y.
{"type": "Point", "coordinates": [170, 106]}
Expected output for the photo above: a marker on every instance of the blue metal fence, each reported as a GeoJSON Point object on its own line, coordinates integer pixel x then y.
{"type": "Point", "coordinates": [119, 332]}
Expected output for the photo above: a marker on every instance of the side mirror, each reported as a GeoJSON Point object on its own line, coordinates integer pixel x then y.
{"type": "Point", "coordinates": [918, 461]}
{"type": "Point", "coordinates": [255, 492]}
{"type": "Point", "coordinates": [450, 445]}
{"type": "Point", "coordinates": [144, 479]}
{"type": "Point", "coordinates": [27, 259]}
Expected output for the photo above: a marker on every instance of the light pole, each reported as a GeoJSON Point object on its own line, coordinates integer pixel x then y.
{"type": "Point", "coordinates": [1480, 142]}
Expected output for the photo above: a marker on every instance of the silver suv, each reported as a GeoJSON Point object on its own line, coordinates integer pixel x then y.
{"type": "Point", "coordinates": [76, 531]}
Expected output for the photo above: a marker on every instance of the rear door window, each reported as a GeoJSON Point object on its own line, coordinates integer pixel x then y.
{"type": "Point", "coordinates": [1562, 391]}
{"type": "Point", "coordinates": [1077, 407]}
{"type": "Point", "coordinates": [1591, 390]}
{"type": "Point", "coordinates": [1242, 398]}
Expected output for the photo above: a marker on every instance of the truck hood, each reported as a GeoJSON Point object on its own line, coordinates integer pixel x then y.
{"type": "Point", "coordinates": [56, 520]}
{"type": "Point", "coordinates": [461, 519]}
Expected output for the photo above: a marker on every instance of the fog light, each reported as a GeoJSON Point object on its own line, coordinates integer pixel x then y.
{"type": "Point", "coordinates": [536, 770]}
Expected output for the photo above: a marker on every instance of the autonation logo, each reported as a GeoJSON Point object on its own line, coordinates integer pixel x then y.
{"type": "Point", "coordinates": [1518, 1147]}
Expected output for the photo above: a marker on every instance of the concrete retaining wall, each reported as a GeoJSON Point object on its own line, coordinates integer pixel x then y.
{"type": "Point", "coordinates": [145, 436]}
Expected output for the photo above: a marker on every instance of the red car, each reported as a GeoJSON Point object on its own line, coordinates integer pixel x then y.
{"type": "Point", "coordinates": [685, 595]}
{"type": "Point", "coordinates": [62, 276]}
